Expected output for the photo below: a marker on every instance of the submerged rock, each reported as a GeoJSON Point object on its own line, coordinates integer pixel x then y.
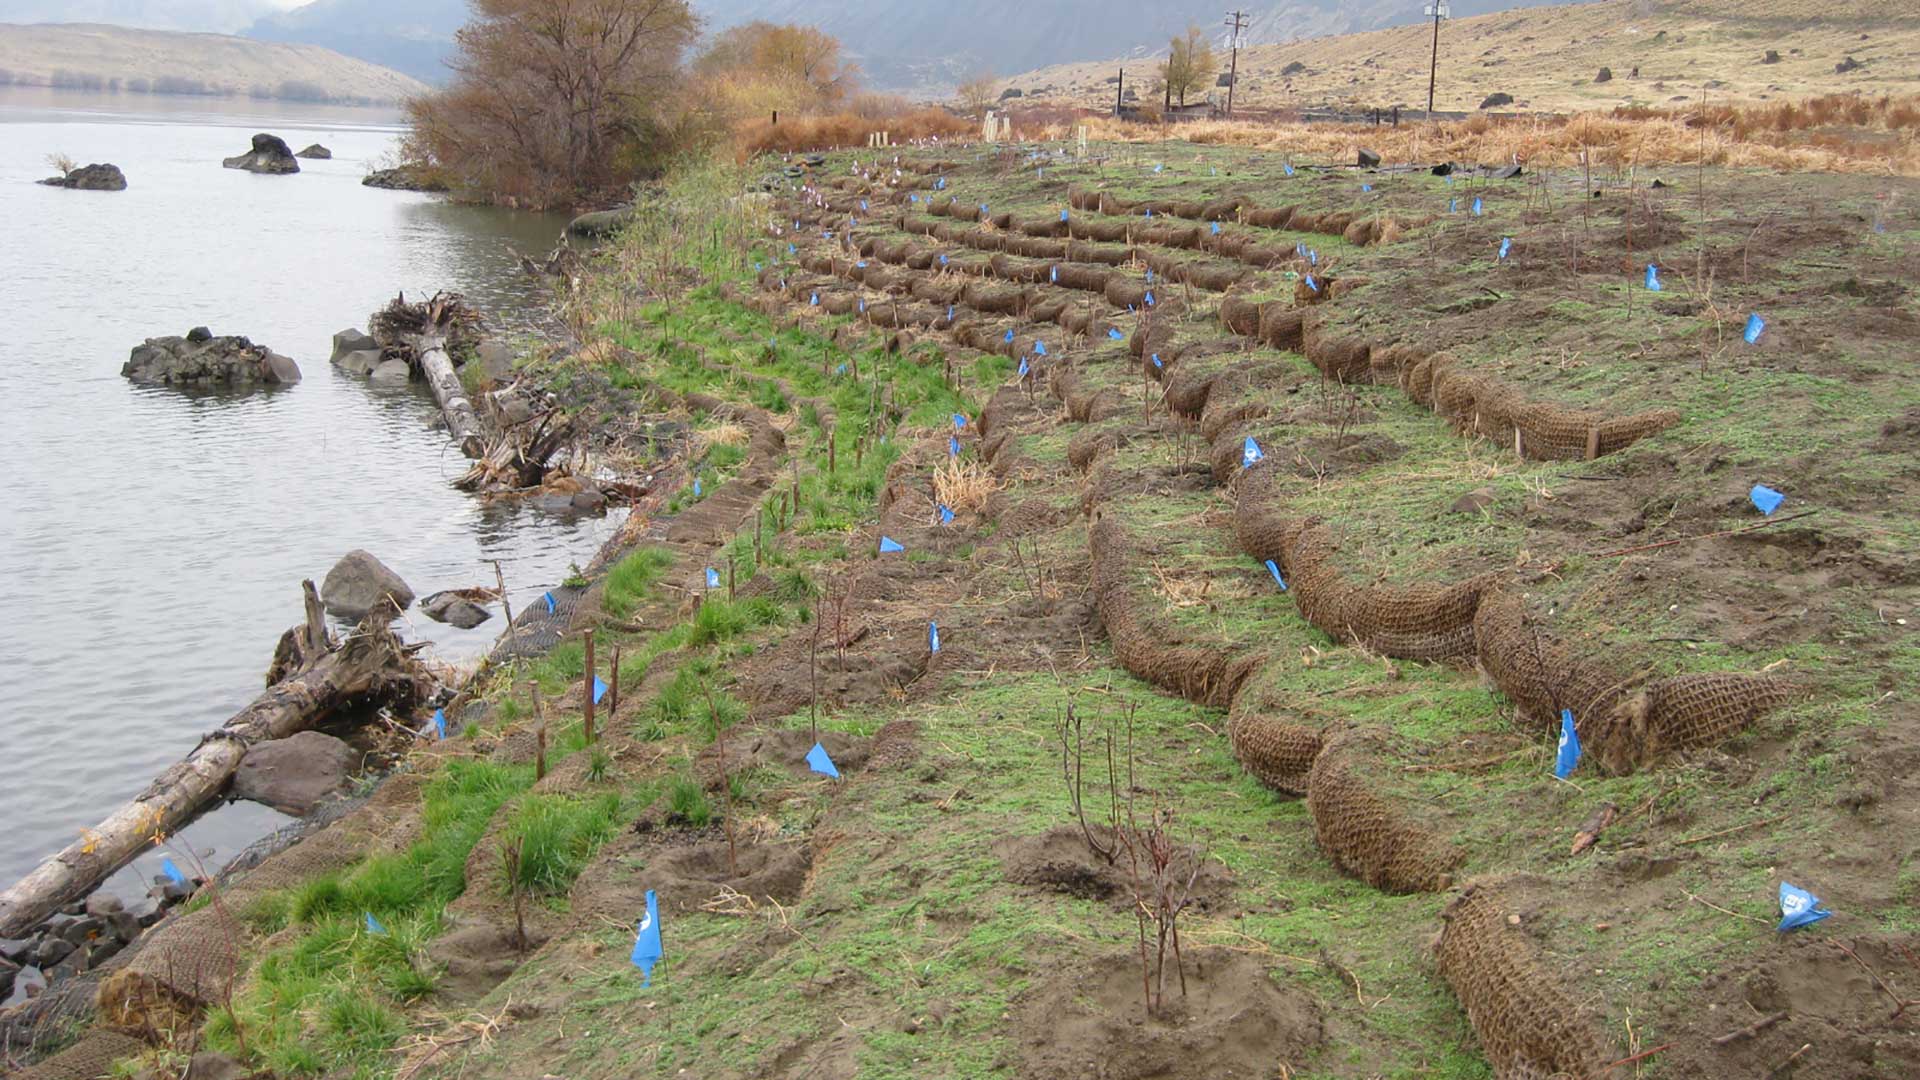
{"type": "Point", "coordinates": [270, 154]}
{"type": "Point", "coordinates": [91, 178]}
{"type": "Point", "coordinates": [455, 609]}
{"type": "Point", "coordinates": [358, 583]}
{"type": "Point", "coordinates": [316, 152]}
{"type": "Point", "coordinates": [391, 372]}
{"type": "Point", "coordinates": [407, 178]}
{"type": "Point", "coordinates": [202, 360]}
{"type": "Point", "coordinates": [601, 222]}
{"type": "Point", "coordinates": [293, 774]}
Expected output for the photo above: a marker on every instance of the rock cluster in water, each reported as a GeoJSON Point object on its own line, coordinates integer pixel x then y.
{"type": "Point", "coordinates": [359, 584]}
{"type": "Point", "coordinates": [270, 154]}
{"type": "Point", "coordinates": [80, 937]}
{"type": "Point", "coordinates": [91, 178]}
{"type": "Point", "coordinates": [316, 152]}
{"type": "Point", "coordinates": [406, 178]}
{"type": "Point", "coordinates": [201, 360]}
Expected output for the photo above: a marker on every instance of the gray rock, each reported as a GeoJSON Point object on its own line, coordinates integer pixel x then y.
{"type": "Point", "coordinates": [1369, 159]}
{"type": "Point", "coordinates": [146, 910]}
{"type": "Point", "coordinates": [16, 949]}
{"type": "Point", "coordinates": [102, 904]}
{"type": "Point", "coordinates": [496, 359]}
{"type": "Point", "coordinates": [407, 178]}
{"type": "Point", "coordinates": [455, 610]}
{"type": "Point", "coordinates": [1473, 502]}
{"type": "Point", "coordinates": [554, 502]}
{"type": "Point", "coordinates": [358, 583]}
{"type": "Point", "coordinates": [91, 178]}
{"type": "Point", "coordinates": [352, 340]}
{"type": "Point", "coordinates": [103, 950]}
{"type": "Point", "coordinates": [514, 406]}
{"type": "Point", "coordinates": [8, 969]}
{"type": "Point", "coordinates": [589, 501]}
{"type": "Point", "coordinates": [28, 983]}
{"type": "Point", "coordinates": [200, 335]}
{"type": "Point", "coordinates": [391, 373]}
{"type": "Point", "coordinates": [208, 362]}
{"type": "Point", "coordinates": [293, 774]}
{"type": "Point", "coordinates": [51, 951]}
{"type": "Point", "coordinates": [360, 363]}
{"type": "Point", "coordinates": [210, 1066]}
{"type": "Point", "coordinates": [125, 925]}
{"type": "Point", "coordinates": [600, 223]}
{"type": "Point", "coordinates": [316, 152]}
{"type": "Point", "coordinates": [269, 155]}
{"type": "Point", "coordinates": [83, 930]}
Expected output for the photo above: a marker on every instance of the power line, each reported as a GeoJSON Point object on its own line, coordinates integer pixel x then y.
{"type": "Point", "coordinates": [1237, 21]}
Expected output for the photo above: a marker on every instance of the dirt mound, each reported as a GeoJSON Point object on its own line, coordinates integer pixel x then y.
{"type": "Point", "coordinates": [1831, 1002]}
{"type": "Point", "coordinates": [1059, 860]}
{"type": "Point", "coordinates": [1235, 1021]}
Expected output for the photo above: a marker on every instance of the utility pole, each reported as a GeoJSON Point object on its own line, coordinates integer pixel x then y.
{"type": "Point", "coordinates": [1119, 92]}
{"type": "Point", "coordinates": [1439, 9]}
{"type": "Point", "coordinates": [1237, 20]}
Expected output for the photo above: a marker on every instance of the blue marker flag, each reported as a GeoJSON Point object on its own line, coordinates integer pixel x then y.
{"type": "Point", "coordinates": [1114, 333]}
{"type": "Point", "coordinates": [1755, 327]}
{"type": "Point", "coordinates": [599, 689]}
{"type": "Point", "coordinates": [1009, 337]}
{"type": "Point", "coordinates": [550, 605]}
{"type": "Point", "coordinates": [1568, 756]}
{"type": "Point", "coordinates": [863, 305]}
{"type": "Point", "coordinates": [1274, 569]}
{"type": "Point", "coordinates": [646, 944]}
{"type": "Point", "coordinates": [1506, 245]}
{"type": "Point", "coordinates": [1063, 215]}
{"type": "Point", "coordinates": [1289, 169]}
{"type": "Point", "coordinates": [1053, 275]}
{"type": "Point", "coordinates": [1156, 360]}
{"type": "Point", "coordinates": [1149, 275]}
{"type": "Point", "coordinates": [943, 258]}
{"type": "Point", "coordinates": [1149, 211]}
{"type": "Point", "coordinates": [1250, 453]}
{"type": "Point", "coordinates": [790, 249]}
{"type": "Point", "coordinates": [1476, 206]}
{"type": "Point", "coordinates": [815, 302]}
{"type": "Point", "coordinates": [1366, 187]}
{"type": "Point", "coordinates": [696, 485]}
{"type": "Point", "coordinates": [1311, 285]}
{"type": "Point", "coordinates": [1157, 168]}
{"type": "Point", "coordinates": [373, 924]}
{"type": "Point", "coordinates": [173, 872]}
{"type": "Point", "coordinates": [888, 544]}
{"type": "Point", "coordinates": [1149, 297]}
{"type": "Point", "coordinates": [1653, 278]}
{"type": "Point", "coordinates": [1453, 206]}
{"type": "Point", "coordinates": [946, 514]}
{"type": "Point", "coordinates": [821, 762]}
{"type": "Point", "coordinates": [1313, 257]}
{"type": "Point", "coordinates": [983, 208]}
{"type": "Point", "coordinates": [440, 723]}
{"type": "Point", "coordinates": [1040, 348]}
{"type": "Point", "coordinates": [1023, 367]}
{"type": "Point", "coordinates": [841, 370]}
{"type": "Point", "coordinates": [933, 637]}
{"type": "Point", "coordinates": [1765, 499]}
{"type": "Point", "coordinates": [1799, 908]}
{"type": "Point", "coordinates": [949, 312]}
{"type": "Point", "coordinates": [953, 446]}
{"type": "Point", "coordinates": [863, 204]}
{"type": "Point", "coordinates": [1216, 228]}
{"type": "Point", "coordinates": [959, 420]}
{"type": "Point", "coordinates": [713, 578]}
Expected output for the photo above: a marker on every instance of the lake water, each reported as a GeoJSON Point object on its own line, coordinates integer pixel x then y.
{"type": "Point", "coordinates": [152, 543]}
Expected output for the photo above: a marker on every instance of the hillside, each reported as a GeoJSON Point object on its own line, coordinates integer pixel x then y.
{"type": "Point", "coordinates": [941, 45]}
{"type": "Point", "coordinates": [155, 61]}
{"type": "Point", "coordinates": [1548, 58]}
{"type": "Point", "coordinates": [411, 36]}
{"type": "Point", "coordinates": [218, 16]}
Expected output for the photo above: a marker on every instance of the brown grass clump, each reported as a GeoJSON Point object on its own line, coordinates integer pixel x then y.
{"type": "Point", "coordinates": [726, 434]}
{"type": "Point", "coordinates": [963, 485]}
{"type": "Point", "coordinates": [1837, 133]}
{"type": "Point", "coordinates": [839, 130]}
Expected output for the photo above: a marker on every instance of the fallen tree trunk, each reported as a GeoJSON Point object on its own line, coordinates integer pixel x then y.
{"type": "Point", "coordinates": [371, 660]}
{"type": "Point", "coordinates": [462, 422]}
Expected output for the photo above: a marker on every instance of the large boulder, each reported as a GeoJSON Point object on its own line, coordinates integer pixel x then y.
{"type": "Point", "coordinates": [91, 178]}
{"type": "Point", "coordinates": [391, 372]}
{"type": "Point", "coordinates": [352, 340]}
{"type": "Point", "coordinates": [201, 360]}
{"type": "Point", "coordinates": [407, 178]}
{"type": "Point", "coordinates": [293, 774]}
{"type": "Point", "coordinates": [316, 152]}
{"type": "Point", "coordinates": [270, 154]}
{"type": "Point", "coordinates": [359, 583]}
{"type": "Point", "coordinates": [601, 222]}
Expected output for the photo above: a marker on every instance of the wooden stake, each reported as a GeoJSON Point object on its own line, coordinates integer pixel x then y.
{"type": "Point", "coordinates": [756, 544]}
{"type": "Point", "coordinates": [1593, 443]}
{"type": "Point", "coordinates": [613, 684]}
{"type": "Point", "coordinates": [586, 714]}
{"type": "Point", "coordinates": [539, 731]}
{"type": "Point", "coordinates": [506, 606]}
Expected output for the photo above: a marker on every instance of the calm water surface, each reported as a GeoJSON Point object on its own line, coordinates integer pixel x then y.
{"type": "Point", "coordinates": [151, 542]}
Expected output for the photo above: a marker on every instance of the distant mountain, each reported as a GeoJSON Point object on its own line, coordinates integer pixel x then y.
{"type": "Point", "coordinates": [413, 36]}
{"type": "Point", "coordinates": [214, 16]}
{"type": "Point", "coordinates": [116, 59]}
{"type": "Point", "coordinates": [928, 46]}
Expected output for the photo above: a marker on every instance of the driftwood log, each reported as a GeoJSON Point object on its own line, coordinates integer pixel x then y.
{"type": "Point", "coordinates": [518, 457]}
{"type": "Point", "coordinates": [462, 422]}
{"type": "Point", "coordinates": [316, 676]}
{"type": "Point", "coordinates": [422, 334]}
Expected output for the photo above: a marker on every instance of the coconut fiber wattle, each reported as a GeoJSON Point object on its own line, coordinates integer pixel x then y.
{"type": "Point", "coordinates": [1537, 671]}
{"type": "Point", "coordinates": [1685, 712]}
{"type": "Point", "coordinates": [1361, 821]}
{"type": "Point", "coordinates": [1530, 1027]}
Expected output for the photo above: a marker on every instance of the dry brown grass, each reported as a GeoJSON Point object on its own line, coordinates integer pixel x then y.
{"type": "Point", "coordinates": [725, 434]}
{"type": "Point", "coordinates": [847, 129]}
{"type": "Point", "coordinates": [1841, 134]}
{"type": "Point", "coordinates": [963, 485]}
